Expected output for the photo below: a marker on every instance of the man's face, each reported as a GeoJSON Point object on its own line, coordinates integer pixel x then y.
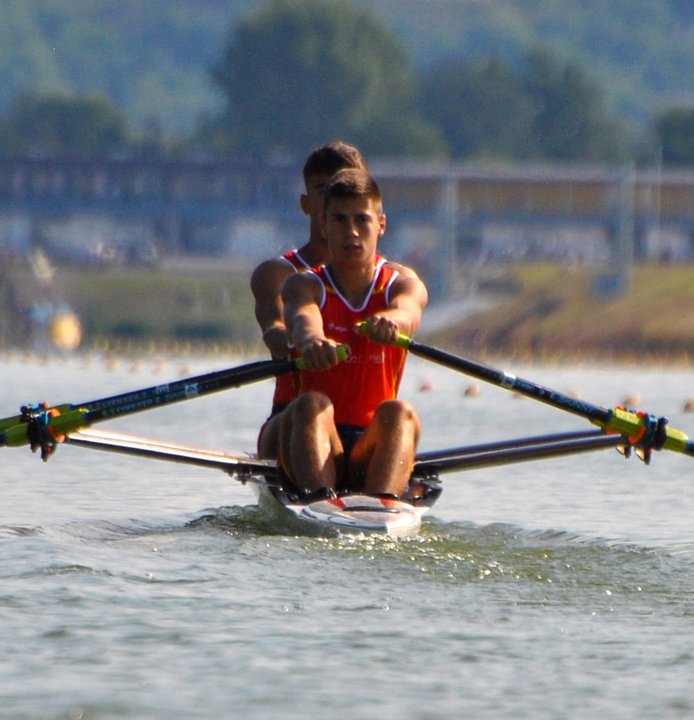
{"type": "Point", "coordinates": [352, 227]}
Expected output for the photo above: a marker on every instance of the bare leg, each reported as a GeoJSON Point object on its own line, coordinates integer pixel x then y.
{"type": "Point", "coordinates": [269, 439]}
{"type": "Point", "coordinates": [387, 448]}
{"type": "Point", "coordinates": [310, 449]}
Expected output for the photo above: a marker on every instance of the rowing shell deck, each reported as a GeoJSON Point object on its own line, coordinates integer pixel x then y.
{"type": "Point", "coordinates": [353, 514]}
{"type": "Point", "coordinates": [345, 514]}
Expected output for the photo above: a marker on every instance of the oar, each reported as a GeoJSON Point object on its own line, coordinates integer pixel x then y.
{"type": "Point", "coordinates": [503, 453]}
{"type": "Point", "coordinates": [430, 456]}
{"type": "Point", "coordinates": [244, 467]}
{"type": "Point", "coordinates": [643, 430]}
{"type": "Point", "coordinates": [42, 426]}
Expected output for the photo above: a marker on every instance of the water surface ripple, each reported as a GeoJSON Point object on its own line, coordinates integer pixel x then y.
{"type": "Point", "coordinates": [554, 589]}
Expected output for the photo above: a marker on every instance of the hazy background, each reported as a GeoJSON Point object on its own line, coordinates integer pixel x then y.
{"type": "Point", "coordinates": [151, 153]}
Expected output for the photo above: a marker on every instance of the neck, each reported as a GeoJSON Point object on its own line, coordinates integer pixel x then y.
{"type": "Point", "coordinates": [353, 281]}
{"type": "Point", "coordinates": [315, 252]}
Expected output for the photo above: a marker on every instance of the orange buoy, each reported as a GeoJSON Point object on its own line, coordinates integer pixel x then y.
{"type": "Point", "coordinates": [65, 331]}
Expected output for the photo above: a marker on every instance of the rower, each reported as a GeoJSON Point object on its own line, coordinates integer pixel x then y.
{"type": "Point", "coordinates": [267, 279]}
{"type": "Point", "coordinates": [347, 431]}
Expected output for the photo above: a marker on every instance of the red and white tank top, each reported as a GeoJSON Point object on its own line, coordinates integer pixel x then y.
{"type": "Point", "coordinates": [373, 372]}
{"type": "Point", "coordinates": [286, 386]}
{"type": "Point", "coordinates": [293, 258]}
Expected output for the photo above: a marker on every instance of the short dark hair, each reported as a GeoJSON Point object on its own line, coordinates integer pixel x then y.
{"type": "Point", "coordinates": [352, 183]}
{"type": "Point", "coordinates": [328, 159]}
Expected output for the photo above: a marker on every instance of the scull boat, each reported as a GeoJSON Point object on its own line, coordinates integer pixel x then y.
{"type": "Point", "coordinates": [43, 427]}
{"type": "Point", "coordinates": [351, 513]}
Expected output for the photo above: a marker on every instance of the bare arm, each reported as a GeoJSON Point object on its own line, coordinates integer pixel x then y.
{"type": "Point", "coordinates": [266, 286]}
{"type": "Point", "coordinates": [408, 298]}
{"type": "Point", "coordinates": [301, 296]}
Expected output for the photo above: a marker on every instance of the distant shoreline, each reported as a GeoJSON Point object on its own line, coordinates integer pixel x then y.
{"type": "Point", "coordinates": [535, 313]}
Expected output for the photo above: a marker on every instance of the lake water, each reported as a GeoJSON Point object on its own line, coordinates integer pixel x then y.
{"type": "Point", "coordinates": [137, 589]}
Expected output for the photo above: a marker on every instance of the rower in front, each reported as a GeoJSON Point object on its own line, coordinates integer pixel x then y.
{"type": "Point", "coordinates": [267, 279]}
{"type": "Point", "coordinates": [347, 431]}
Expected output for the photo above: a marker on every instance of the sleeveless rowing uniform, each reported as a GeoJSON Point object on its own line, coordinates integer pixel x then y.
{"type": "Point", "coordinates": [286, 384]}
{"type": "Point", "coordinates": [373, 372]}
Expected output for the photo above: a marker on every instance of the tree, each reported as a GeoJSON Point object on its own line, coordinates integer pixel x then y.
{"type": "Point", "coordinates": [63, 126]}
{"type": "Point", "coordinates": [674, 130]}
{"type": "Point", "coordinates": [570, 122]}
{"type": "Point", "coordinates": [299, 72]}
{"type": "Point", "coordinates": [540, 109]}
{"type": "Point", "coordinates": [480, 107]}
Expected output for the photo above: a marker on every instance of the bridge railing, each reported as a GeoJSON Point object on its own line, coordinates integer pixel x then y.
{"type": "Point", "coordinates": [492, 189]}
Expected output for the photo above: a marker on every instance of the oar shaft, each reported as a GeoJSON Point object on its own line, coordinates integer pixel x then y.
{"type": "Point", "coordinates": [509, 381]}
{"type": "Point", "coordinates": [168, 393]}
{"type": "Point", "coordinates": [63, 419]}
{"type": "Point", "coordinates": [642, 430]}
{"type": "Point", "coordinates": [542, 451]}
{"type": "Point", "coordinates": [42, 426]}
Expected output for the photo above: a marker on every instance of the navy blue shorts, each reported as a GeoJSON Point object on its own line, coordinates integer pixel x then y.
{"type": "Point", "coordinates": [349, 434]}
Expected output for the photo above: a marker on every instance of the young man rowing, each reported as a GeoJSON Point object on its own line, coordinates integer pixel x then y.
{"type": "Point", "coordinates": [267, 279]}
{"type": "Point", "coordinates": [346, 431]}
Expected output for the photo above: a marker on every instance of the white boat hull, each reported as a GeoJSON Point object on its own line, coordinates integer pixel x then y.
{"type": "Point", "coordinates": [346, 514]}
{"type": "Point", "coordinates": [352, 514]}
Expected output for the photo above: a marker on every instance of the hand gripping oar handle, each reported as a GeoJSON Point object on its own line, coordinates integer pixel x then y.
{"type": "Point", "coordinates": [643, 430]}
{"type": "Point", "coordinates": [41, 426]}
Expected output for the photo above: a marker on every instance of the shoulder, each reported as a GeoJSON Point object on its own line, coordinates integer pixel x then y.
{"type": "Point", "coordinates": [303, 283]}
{"type": "Point", "coordinates": [403, 270]}
{"type": "Point", "coordinates": [406, 283]}
{"type": "Point", "coordinates": [270, 275]}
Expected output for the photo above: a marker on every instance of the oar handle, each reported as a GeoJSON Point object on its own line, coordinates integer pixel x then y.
{"type": "Point", "coordinates": [343, 352]}
{"type": "Point", "coordinates": [403, 341]}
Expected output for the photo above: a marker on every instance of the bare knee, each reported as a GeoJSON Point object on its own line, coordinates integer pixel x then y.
{"type": "Point", "coordinates": [269, 439]}
{"type": "Point", "coordinates": [399, 417]}
{"type": "Point", "coordinates": [392, 412]}
{"type": "Point", "coordinates": [310, 405]}
{"type": "Point", "coordinates": [307, 413]}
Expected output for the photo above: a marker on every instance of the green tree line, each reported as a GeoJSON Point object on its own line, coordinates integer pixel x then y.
{"type": "Point", "coordinates": [295, 73]}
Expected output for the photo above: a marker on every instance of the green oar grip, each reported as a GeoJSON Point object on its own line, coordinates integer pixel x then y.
{"type": "Point", "coordinates": [402, 342]}
{"type": "Point", "coordinates": [342, 352]}
{"type": "Point", "coordinates": [342, 355]}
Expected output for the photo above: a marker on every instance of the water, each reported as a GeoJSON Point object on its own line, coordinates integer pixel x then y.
{"type": "Point", "coordinates": [136, 589]}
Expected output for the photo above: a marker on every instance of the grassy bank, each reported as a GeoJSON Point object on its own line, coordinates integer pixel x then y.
{"type": "Point", "coordinates": [128, 306]}
{"type": "Point", "coordinates": [547, 311]}
{"type": "Point", "coordinates": [555, 313]}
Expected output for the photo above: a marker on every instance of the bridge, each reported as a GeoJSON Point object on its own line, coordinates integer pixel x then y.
{"type": "Point", "coordinates": [190, 205]}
